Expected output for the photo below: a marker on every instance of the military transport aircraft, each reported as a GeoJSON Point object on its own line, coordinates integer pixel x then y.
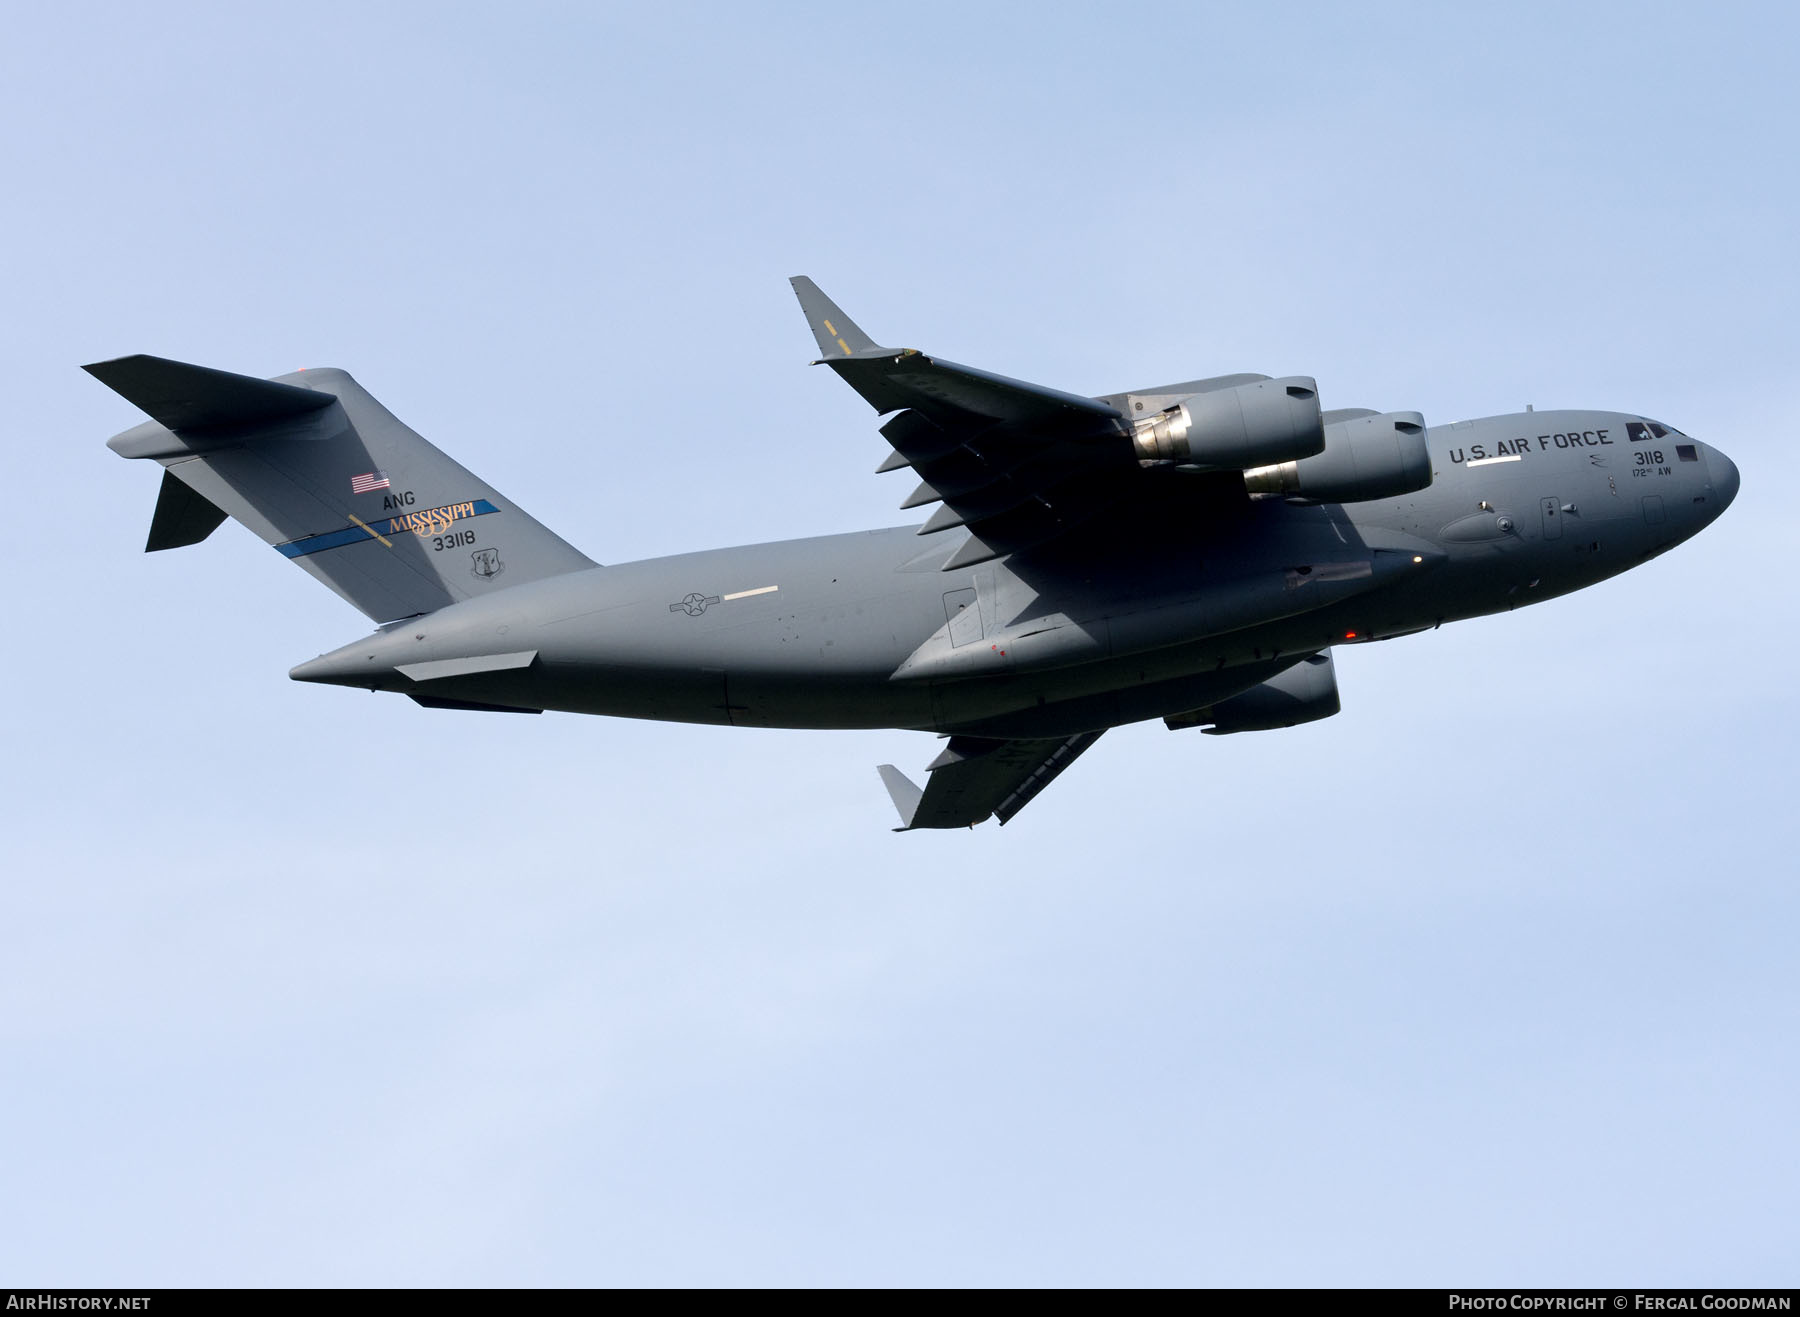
{"type": "Point", "coordinates": [1190, 552]}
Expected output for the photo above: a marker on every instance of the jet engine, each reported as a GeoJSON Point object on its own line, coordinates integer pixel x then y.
{"type": "Point", "coordinates": [1230, 429]}
{"type": "Point", "coordinates": [1303, 693]}
{"type": "Point", "coordinates": [1366, 457]}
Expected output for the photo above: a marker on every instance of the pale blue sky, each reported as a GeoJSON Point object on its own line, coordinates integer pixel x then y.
{"type": "Point", "coordinates": [1488, 980]}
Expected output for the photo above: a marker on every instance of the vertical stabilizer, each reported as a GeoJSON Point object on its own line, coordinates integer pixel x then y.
{"type": "Point", "coordinates": [332, 480]}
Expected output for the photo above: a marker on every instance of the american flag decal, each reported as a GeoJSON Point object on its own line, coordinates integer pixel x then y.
{"type": "Point", "coordinates": [369, 483]}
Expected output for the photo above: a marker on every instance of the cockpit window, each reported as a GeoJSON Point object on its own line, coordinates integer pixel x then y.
{"type": "Point", "coordinates": [1639, 432]}
{"type": "Point", "coordinates": [1687, 453]}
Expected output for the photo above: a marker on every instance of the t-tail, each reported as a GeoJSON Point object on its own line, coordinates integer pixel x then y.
{"type": "Point", "coordinates": [332, 480]}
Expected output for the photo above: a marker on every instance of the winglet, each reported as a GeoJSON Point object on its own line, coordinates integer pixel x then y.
{"type": "Point", "coordinates": [904, 794]}
{"type": "Point", "coordinates": [837, 333]}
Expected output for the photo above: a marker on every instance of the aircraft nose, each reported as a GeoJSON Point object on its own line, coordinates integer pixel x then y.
{"type": "Point", "coordinates": [1724, 475]}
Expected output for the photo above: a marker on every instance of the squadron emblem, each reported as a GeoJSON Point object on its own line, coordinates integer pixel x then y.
{"type": "Point", "coordinates": [487, 564]}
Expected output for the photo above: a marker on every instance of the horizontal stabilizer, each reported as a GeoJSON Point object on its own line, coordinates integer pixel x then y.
{"type": "Point", "coordinates": [185, 397]}
{"type": "Point", "coordinates": [183, 516]}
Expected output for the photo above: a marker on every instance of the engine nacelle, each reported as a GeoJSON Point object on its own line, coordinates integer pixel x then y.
{"type": "Point", "coordinates": [1365, 457]}
{"type": "Point", "coordinates": [1304, 693]}
{"type": "Point", "coordinates": [1230, 429]}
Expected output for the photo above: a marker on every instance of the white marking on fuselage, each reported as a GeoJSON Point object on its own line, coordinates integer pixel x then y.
{"type": "Point", "coordinates": [745, 594]}
{"type": "Point", "coordinates": [1489, 461]}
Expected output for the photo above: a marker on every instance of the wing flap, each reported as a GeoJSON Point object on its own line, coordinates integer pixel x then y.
{"type": "Point", "coordinates": [1046, 772]}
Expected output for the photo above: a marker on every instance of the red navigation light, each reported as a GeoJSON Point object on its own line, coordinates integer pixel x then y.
{"type": "Point", "coordinates": [1349, 635]}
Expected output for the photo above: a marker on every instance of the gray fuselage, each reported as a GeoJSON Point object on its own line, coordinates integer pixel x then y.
{"type": "Point", "coordinates": [1154, 615]}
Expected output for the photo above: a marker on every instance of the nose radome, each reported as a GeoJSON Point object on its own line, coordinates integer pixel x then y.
{"type": "Point", "coordinates": [1724, 475]}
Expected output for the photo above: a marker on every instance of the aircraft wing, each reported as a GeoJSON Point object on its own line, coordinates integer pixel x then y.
{"type": "Point", "coordinates": [976, 777]}
{"type": "Point", "coordinates": [1015, 463]}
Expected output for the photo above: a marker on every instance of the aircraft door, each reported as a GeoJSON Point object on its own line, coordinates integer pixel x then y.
{"type": "Point", "coordinates": [1552, 518]}
{"type": "Point", "coordinates": [964, 616]}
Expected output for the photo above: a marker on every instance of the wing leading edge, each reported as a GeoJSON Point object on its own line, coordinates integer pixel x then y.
{"type": "Point", "coordinates": [892, 378]}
